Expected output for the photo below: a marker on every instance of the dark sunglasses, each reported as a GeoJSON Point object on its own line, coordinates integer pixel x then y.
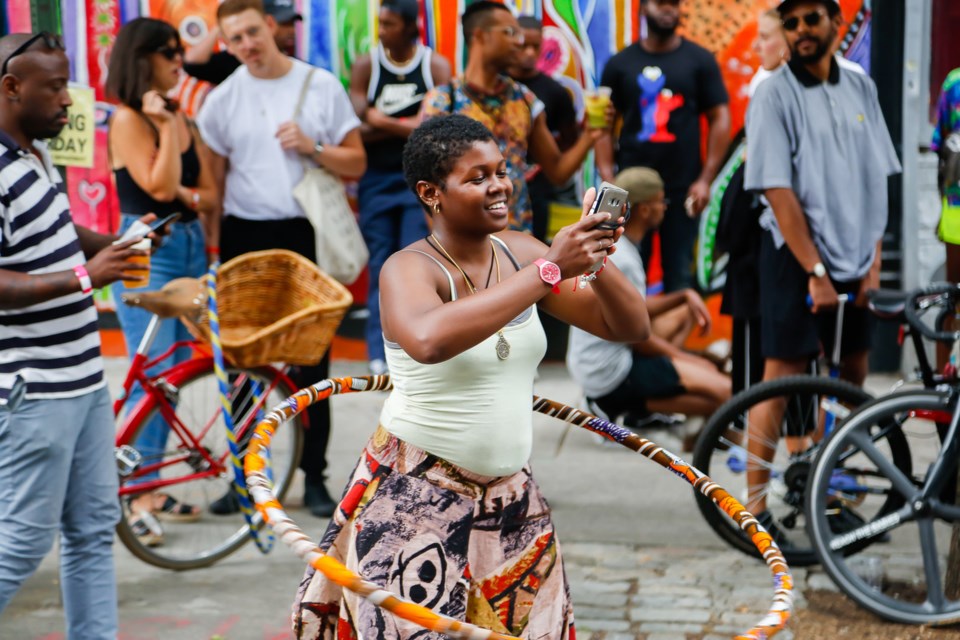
{"type": "Point", "coordinates": [51, 40]}
{"type": "Point", "coordinates": [169, 52]}
{"type": "Point", "coordinates": [811, 19]}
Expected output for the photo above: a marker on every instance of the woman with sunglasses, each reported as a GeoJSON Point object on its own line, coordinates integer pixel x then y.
{"type": "Point", "coordinates": [160, 165]}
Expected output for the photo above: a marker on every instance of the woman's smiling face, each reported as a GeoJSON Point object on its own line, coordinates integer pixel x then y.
{"type": "Point", "coordinates": [477, 189]}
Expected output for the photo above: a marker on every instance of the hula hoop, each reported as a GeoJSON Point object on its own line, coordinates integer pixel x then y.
{"type": "Point", "coordinates": [265, 543]}
{"type": "Point", "coordinates": [256, 467]}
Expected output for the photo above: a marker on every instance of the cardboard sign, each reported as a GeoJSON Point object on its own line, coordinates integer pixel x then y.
{"type": "Point", "coordinates": [74, 146]}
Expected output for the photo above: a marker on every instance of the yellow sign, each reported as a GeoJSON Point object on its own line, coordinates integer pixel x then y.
{"type": "Point", "coordinates": [559, 216]}
{"type": "Point", "coordinates": [74, 146]}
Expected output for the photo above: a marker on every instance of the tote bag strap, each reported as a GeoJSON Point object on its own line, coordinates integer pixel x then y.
{"type": "Point", "coordinates": [296, 112]}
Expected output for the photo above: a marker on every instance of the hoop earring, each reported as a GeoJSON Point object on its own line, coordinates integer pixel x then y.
{"type": "Point", "coordinates": [436, 207]}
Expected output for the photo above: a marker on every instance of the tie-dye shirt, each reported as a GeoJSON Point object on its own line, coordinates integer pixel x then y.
{"type": "Point", "coordinates": [509, 114]}
{"type": "Point", "coordinates": [948, 110]}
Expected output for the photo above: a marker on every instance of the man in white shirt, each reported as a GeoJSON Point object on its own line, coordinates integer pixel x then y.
{"type": "Point", "coordinates": [260, 153]}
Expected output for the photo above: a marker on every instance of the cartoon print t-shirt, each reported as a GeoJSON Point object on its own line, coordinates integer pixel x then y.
{"type": "Point", "coordinates": [661, 97]}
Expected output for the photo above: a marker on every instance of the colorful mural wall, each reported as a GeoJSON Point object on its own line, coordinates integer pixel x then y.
{"type": "Point", "coordinates": [579, 37]}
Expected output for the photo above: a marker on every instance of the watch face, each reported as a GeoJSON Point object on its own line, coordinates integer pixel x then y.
{"type": "Point", "coordinates": [550, 272]}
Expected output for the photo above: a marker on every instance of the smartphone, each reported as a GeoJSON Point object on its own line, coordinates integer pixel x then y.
{"type": "Point", "coordinates": [613, 200]}
{"type": "Point", "coordinates": [156, 224]}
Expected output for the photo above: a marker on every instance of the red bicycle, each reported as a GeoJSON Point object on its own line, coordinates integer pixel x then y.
{"type": "Point", "coordinates": [194, 467]}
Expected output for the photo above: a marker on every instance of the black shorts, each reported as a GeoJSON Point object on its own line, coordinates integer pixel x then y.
{"type": "Point", "coordinates": [650, 377]}
{"type": "Point", "coordinates": [788, 329]}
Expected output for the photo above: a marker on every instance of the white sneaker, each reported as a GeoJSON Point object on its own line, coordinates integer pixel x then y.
{"type": "Point", "coordinates": [378, 367]}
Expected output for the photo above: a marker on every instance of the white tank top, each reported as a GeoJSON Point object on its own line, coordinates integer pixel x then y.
{"type": "Point", "coordinates": [473, 410]}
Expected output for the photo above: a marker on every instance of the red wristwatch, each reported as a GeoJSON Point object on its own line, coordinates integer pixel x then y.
{"type": "Point", "coordinates": [549, 273]}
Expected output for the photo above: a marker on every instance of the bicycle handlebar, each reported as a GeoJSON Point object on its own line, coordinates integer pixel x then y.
{"type": "Point", "coordinates": [952, 291]}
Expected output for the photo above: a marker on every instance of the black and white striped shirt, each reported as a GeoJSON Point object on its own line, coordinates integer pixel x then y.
{"type": "Point", "coordinates": [54, 346]}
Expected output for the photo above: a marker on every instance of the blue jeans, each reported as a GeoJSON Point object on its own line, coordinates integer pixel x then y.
{"type": "Point", "coordinates": [391, 218]}
{"type": "Point", "coordinates": [58, 474]}
{"type": "Point", "coordinates": [181, 255]}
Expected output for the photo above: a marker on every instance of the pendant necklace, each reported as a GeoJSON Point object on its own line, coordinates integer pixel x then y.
{"type": "Point", "coordinates": [502, 347]}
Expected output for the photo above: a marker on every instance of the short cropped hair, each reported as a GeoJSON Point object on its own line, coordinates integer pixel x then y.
{"type": "Point", "coordinates": [130, 74]}
{"type": "Point", "coordinates": [233, 7]}
{"type": "Point", "coordinates": [478, 16]}
{"type": "Point", "coordinates": [529, 22]}
{"type": "Point", "coordinates": [434, 147]}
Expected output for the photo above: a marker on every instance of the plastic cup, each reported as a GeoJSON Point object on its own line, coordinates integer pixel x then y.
{"type": "Point", "coordinates": [596, 102]}
{"type": "Point", "coordinates": [143, 262]}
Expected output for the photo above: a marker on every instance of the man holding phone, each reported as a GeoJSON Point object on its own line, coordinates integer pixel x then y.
{"type": "Point", "coordinates": [56, 421]}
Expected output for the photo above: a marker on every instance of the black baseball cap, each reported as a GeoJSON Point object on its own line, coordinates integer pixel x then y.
{"type": "Point", "coordinates": [283, 11]}
{"type": "Point", "coordinates": [832, 5]}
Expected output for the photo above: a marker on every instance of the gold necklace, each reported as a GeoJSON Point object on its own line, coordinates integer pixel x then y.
{"type": "Point", "coordinates": [503, 347]}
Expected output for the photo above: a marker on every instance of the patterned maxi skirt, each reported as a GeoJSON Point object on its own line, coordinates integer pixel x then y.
{"type": "Point", "coordinates": [475, 548]}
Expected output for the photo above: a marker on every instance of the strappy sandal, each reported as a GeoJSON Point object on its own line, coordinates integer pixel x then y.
{"type": "Point", "coordinates": [174, 511]}
{"type": "Point", "coordinates": [146, 528]}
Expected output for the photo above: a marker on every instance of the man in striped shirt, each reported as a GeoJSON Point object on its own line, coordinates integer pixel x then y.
{"type": "Point", "coordinates": [57, 472]}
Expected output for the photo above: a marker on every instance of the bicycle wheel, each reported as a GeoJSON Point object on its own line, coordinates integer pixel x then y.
{"type": "Point", "coordinates": [195, 468]}
{"type": "Point", "coordinates": [721, 453]}
{"type": "Point", "coordinates": [901, 580]}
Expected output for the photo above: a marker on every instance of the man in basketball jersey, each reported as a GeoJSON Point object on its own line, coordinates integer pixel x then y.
{"type": "Point", "coordinates": [386, 88]}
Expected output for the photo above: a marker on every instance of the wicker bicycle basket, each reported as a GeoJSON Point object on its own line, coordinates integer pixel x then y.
{"type": "Point", "coordinates": [274, 306]}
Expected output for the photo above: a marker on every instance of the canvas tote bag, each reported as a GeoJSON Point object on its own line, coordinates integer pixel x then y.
{"type": "Point", "coordinates": [341, 251]}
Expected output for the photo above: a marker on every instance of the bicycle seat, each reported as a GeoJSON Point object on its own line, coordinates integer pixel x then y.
{"type": "Point", "coordinates": [183, 296]}
{"type": "Point", "coordinates": [888, 304]}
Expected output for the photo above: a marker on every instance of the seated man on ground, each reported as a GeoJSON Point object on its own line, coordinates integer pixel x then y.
{"type": "Point", "coordinates": [655, 375]}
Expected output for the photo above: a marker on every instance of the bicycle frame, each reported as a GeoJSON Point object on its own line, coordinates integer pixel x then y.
{"type": "Point", "coordinates": [159, 393]}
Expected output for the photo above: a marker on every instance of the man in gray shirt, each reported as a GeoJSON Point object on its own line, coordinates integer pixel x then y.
{"type": "Point", "coordinates": [819, 150]}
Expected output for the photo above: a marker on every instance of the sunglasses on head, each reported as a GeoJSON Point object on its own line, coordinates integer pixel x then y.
{"type": "Point", "coordinates": [51, 40]}
{"type": "Point", "coordinates": [169, 52]}
{"type": "Point", "coordinates": [811, 19]}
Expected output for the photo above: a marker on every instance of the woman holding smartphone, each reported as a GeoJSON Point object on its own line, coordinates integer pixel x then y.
{"type": "Point", "coordinates": [160, 166]}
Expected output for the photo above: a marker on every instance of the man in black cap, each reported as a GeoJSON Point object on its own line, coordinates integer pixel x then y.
{"type": "Point", "coordinates": [203, 63]}
{"type": "Point", "coordinates": [820, 152]}
{"type": "Point", "coordinates": [386, 89]}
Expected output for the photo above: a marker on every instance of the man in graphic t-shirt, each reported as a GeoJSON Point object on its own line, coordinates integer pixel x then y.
{"type": "Point", "coordinates": [662, 84]}
{"type": "Point", "coordinates": [261, 150]}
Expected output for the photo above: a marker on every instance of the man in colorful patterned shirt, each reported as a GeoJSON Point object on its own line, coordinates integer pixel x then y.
{"type": "Point", "coordinates": [511, 111]}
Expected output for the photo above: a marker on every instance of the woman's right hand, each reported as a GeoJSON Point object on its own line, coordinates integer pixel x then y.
{"type": "Point", "coordinates": [577, 247]}
{"type": "Point", "coordinates": [155, 105]}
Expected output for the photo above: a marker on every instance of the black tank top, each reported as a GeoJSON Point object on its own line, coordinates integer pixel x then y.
{"type": "Point", "coordinates": [397, 92]}
{"type": "Point", "coordinates": [136, 201]}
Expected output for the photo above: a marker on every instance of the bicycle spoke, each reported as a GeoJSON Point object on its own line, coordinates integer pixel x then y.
{"type": "Point", "coordinates": [901, 483]}
{"type": "Point", "coordinates": [931, 563]}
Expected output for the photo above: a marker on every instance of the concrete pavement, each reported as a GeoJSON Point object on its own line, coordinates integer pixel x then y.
{"type": "Point", "coordinates": [642, 562]}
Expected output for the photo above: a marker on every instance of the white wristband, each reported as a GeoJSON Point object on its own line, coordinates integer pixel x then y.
{"type": "Point", "coordinates": [86, 286]}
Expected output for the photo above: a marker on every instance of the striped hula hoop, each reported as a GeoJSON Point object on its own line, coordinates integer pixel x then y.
{"type": "Point", "coordinates": [256, 467]}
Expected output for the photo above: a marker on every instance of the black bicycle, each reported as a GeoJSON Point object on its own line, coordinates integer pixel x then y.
{"type": "Point", "coordinates": [912, 508]}
{"type": "Point", "coordinates": [813, 406]}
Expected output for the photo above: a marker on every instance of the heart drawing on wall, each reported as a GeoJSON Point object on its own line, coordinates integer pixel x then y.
{"type": "Point", "coordinates": [92, 193]}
